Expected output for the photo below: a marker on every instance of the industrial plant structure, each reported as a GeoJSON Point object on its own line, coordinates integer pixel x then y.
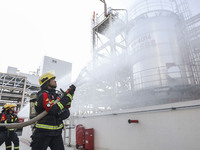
{"type": "Point", "coordinates": [15, 88]}
{"type": "Point", "coordinates": [147, 55]}
{"type": "Point", "coordinates": [142, 88]}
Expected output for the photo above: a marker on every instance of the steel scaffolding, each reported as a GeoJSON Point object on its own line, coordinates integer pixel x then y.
{"type": "Point", "coordinates": [14, 89]}
{"type": "Point", "coordinates": [110, 42]}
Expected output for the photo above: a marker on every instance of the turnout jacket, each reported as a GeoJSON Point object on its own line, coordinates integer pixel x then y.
{"type": "Point", "coordinates": [52, 123]}
{"type": "Point", "coordinates": [8, 118]}
{"type": "Point", "coordinates": [3, 119]}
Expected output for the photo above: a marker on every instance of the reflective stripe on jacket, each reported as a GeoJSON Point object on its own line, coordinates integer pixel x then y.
{"type": "Point", "coordinates": [52, 121]}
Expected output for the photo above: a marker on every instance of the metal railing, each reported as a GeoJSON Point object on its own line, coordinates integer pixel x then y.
{"type": "Point", "coordinates": [120, 14]}
{"type": "Point", "coordinates": [163, 76]}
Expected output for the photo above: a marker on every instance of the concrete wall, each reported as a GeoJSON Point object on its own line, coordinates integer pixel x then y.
{"type": "Point", "coordinates": [167, 129]}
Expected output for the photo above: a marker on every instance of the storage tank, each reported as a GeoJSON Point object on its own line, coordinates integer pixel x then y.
{"type": "Point", "coordinates": [157, 49]}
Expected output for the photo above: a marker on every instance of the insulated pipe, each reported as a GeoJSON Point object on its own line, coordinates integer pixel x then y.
{"type": "Point", "coordinates": [133, 121]}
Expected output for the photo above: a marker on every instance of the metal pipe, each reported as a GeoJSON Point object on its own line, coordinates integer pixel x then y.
{"type": "Point", "coordinates": [70, 135]}
{"type": "Point", "coordinates": [64, 133]}
{"type": "Point", "coordinates": [105, 7]}
{"type": "Point", "coordinates": [23, 93]}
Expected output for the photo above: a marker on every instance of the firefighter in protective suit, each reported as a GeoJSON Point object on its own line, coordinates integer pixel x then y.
{"type": "Point", "coordinates": [3, 119]}
{"type": "Point", "coordinates": [10, 135]}
{"type": "Point", "coordinates": [48, 130]}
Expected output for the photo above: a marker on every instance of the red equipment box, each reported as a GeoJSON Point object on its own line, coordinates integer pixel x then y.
{"type": "Point", "coordinates": [89, 139]}
{"type": "Point", "coordinates": [80, 136]}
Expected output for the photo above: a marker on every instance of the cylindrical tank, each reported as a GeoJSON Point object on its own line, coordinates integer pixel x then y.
{"type": "Point", "coordinates": [155, 39]}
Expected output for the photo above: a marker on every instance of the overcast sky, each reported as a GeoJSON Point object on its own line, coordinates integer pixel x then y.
{"type": "Point", "coordinates": [31, 29]}
{"type": "Point", "coordinates": [56, 28]}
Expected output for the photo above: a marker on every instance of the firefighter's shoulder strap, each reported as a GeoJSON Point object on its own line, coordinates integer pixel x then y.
{"type": "Point", "coordinates": [41, 92]}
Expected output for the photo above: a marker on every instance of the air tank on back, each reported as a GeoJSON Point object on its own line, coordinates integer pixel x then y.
{"type": "Point", "coordinates": [157, 49]}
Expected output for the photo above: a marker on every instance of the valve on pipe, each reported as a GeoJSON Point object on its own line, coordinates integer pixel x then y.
{"type": "Point", "coordinates": [133, 121]}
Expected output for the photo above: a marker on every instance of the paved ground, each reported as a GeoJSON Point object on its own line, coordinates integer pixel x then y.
{"type": "Point", "coordinates": [24, 145]}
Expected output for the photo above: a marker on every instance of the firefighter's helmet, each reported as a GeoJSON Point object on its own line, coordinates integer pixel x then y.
{"type": "Point", "coordinates": [6, 106]}
{"type": "Point", "coordinates": [46, 77]}
{"type": "Point", "coordinates": [12, 105]}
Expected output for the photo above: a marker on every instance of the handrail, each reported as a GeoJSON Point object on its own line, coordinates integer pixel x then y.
{"type": "Point", "coordinates": [160, 76]}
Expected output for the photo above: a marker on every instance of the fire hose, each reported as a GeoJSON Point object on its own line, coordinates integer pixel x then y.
{"type": "Point", "coordinates": [26, 123]}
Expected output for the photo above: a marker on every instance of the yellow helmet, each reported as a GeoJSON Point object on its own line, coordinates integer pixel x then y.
{"type": "Point", "coordinates": [45, 77]}
{"type": "Point", "coordinates": [6, 106]}
{"type": "Point", "coordinates": [12, 105]}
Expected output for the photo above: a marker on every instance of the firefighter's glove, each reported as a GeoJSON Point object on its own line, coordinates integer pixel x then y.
{"type": "Point", "coordinates": [69, 93]}
{"type": "Point", "coordinates": [69, 101]}
{"type": "Point", "coordinates": [63, 114]}
{"type": "Point", "coordinates": [71, 90]}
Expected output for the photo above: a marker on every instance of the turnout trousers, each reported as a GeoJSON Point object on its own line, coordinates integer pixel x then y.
{"type": "Point", "coordinates": [3, 136]}
{"type": "Point", "coordinates": [12, 138]}
{"type": "Point", "coordinates": [41, 141]}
